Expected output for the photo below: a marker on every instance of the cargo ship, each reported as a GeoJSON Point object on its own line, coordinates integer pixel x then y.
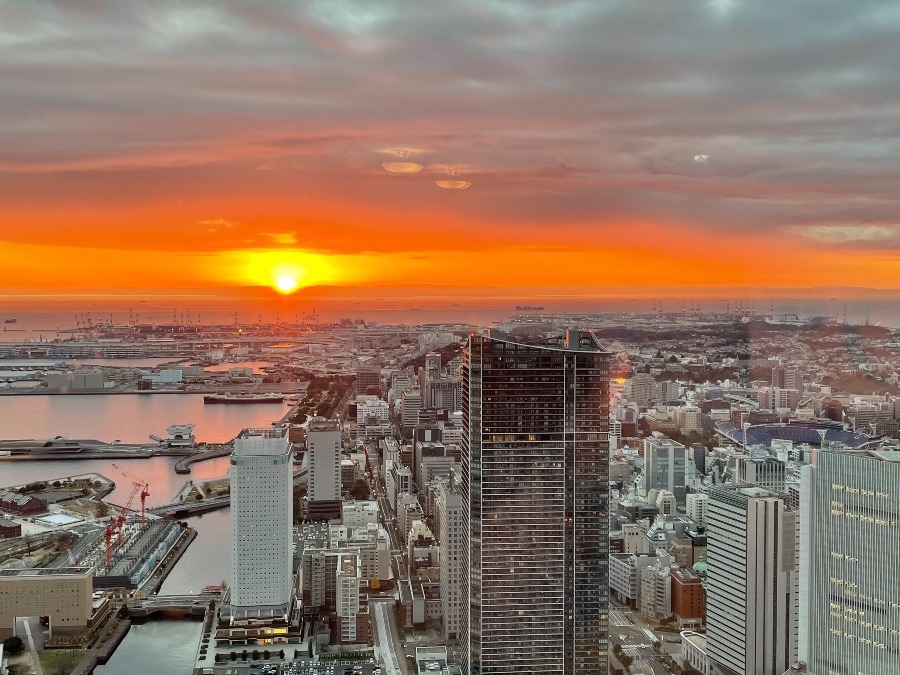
{"type": "Point", "coordinates": [529, 308]}
{"type": "Point", "coordinates": [11, 320]}
{"type": "Point", "coordinates": [243, 398]}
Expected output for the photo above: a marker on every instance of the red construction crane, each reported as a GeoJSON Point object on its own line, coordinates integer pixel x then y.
{"type": "Point", "coordinates": [115, 525]}
{"type": "Point", "coordinates": [145, 492]}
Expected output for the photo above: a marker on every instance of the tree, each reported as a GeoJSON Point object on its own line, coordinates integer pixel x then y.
{"type": "Point", "coordinates": [360, 490]}
{"type": "Point", "coordinates": [65, 665]}
{"type": "Point", "coordinates": [13, 646]}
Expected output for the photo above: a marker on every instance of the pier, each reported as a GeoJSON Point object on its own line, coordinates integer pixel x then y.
{"type": "Point", "coordinates": [183, 466]}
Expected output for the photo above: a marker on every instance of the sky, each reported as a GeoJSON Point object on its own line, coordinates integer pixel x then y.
{"type": "Point", "coordinates": [462, 147]}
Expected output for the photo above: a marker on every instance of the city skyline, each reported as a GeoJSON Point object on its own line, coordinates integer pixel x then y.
{"type": "Point", "coordinates": [640, 146]}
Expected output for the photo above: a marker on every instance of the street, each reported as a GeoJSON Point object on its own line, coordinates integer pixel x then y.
{"type": "Point", "coordinates": [387, 639]}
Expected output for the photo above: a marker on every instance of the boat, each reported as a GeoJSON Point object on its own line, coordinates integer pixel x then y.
{"type": "Point", "coordinates": [529, 308]}
{"type": "Point", "coordinates": [229, 397]}
{"type": "Point", "coordinates": [13, 320]}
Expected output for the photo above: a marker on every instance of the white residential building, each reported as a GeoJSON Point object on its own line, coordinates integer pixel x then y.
{"type": "Point", "coordinates": [346, 590]}
{"type": "Point", "coordinates": [656, 592]}
{"type": "Point", "coordinates": [262, 521]}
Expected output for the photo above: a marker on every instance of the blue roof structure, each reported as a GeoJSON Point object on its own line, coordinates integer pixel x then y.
{"type": "Point", "coordinates": [798, 432]}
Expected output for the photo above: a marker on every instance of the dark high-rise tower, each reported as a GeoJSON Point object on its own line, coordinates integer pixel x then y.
{"type": "Point", "coordinates": [535, 472]}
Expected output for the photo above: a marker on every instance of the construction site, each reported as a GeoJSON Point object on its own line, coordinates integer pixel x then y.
{"type": "Point", "coordinates": [123, 544]}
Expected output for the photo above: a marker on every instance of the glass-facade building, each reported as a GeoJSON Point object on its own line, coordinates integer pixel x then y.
{"type": "Point", "coordinates": [535, 491]}
{"type": "Point", "coordinates": [850, 609]}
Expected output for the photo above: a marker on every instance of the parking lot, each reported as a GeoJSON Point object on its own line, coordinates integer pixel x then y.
{"type": "Point", "coordinates": [316, 668]}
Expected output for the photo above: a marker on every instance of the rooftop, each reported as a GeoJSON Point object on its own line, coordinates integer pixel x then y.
{"type": "Point", "coordinates": [48, 572]}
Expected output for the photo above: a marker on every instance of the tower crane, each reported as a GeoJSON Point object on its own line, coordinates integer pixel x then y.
{"type": "Point", "coordinates": [114, 528]}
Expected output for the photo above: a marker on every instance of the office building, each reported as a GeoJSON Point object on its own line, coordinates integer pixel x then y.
{"type": "Point", "coordinates": [696, 507]}
{"type": "Point", "coordinates": [450, 523]}
{"type": "Point", "coordinates": [850, 609]}
{"type": "Point", "coordinates": [752, 601]}
{"type": "Point", "coordinates": [410, 405]}
{"type": "Point", "coordinates": [767, 472]}
{"type": "Point", "coordinates": [688, 597]}
{"type": "Point", "coordinates": [666, 466]}
{"type": "Point", "coordinates": [262, 521]}
{"type": "Point", "coordinates": [688, 418]}
{"type": "Point", "coordinates": [323, 443]}
{"type": "Point", "coordinates": [640, 389]}
{"type": "Point", "coordinates": [64, 595]}
{"type": "Point", "coordinates": [535, 488]}
{"type": "Point", "coordinates": [443, 394]}
{"type": "Point", "coordinates": [368, 377]}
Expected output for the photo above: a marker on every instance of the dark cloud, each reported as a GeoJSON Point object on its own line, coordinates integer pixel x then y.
{"type": "Point", "coordinates": [588, 113]}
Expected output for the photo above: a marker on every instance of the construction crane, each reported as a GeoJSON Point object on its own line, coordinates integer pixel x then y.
{"type": "Point", "coordinates": [114, 528]}
{"type": "Point", "coordinates": [144, 488]}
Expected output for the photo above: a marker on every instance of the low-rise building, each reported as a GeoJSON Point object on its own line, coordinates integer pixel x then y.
{"type": "Point", "coordinates": [688, 597]}
{"type": "Point", "coordinates": [21, 504]}
{"type": "Point", "coordinates": [9, 529]}
{"type": "Point", "coordinates": [65, 595]}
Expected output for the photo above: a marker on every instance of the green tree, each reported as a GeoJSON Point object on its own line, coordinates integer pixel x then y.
{"type": "Point", "coordinates": [13, 646]}
{"type": "Point", "coordinates": [360, 489]}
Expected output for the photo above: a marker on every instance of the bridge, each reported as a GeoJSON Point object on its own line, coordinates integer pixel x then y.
{"type": "Point", "coordinates": [195, 605]}
{"type": "Point", "coordinates": [184, 509]}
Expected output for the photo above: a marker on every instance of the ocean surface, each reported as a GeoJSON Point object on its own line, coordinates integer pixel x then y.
{"type": "Point", "coordinates": [47, 321]}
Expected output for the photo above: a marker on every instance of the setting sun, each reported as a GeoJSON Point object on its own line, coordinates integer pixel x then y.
{"type": "Point", "coordinates": [286, 283]}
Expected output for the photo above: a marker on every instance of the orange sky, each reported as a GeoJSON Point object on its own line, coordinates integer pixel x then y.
{"type": "Point", "coordinates": [162, 147]}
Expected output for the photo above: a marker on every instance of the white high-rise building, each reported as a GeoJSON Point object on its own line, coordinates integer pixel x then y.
{"type": "Point", "coordinates": [262, 521]}
{"type": "Point", "coordinates": [696, 507]}
{"type": "Point", "coordinates": [850, 605]}
{"type": "Point", "coordinates": [346, 590]}
{"type": "Point", "coordinates": [752, 601]}
{"type": "Point", "coordinates": [448, 506]}
{"type": "Point", "coordinates": [410, 404]}
{"type": "Point", "coordinates": [323, 443]}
